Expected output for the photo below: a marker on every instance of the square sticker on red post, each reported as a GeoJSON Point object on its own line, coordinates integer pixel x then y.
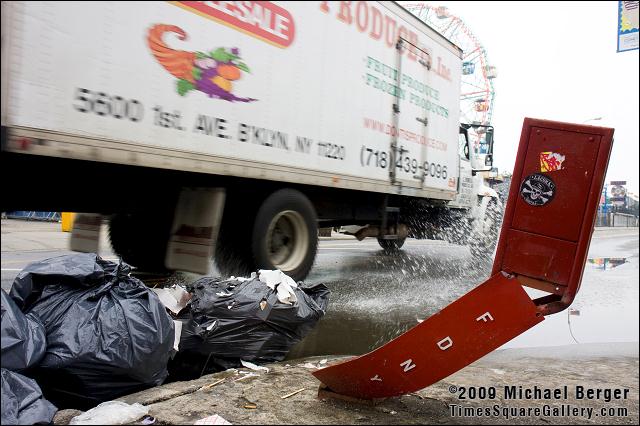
{"type": "Point", "coordinates": [551, 161]}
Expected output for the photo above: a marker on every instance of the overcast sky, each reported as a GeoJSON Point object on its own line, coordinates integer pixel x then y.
{"type": "Point", "coordinates": [558, 61]}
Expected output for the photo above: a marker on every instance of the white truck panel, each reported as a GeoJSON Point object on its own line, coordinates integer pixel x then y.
{"type": "Point", "coordinates": [318, 98]}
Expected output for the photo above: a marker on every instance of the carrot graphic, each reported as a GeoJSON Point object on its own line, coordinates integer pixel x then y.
{"type": "Point", "coordinates": [178, 62]}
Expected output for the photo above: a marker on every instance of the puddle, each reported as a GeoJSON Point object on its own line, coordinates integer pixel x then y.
{"type": "Point", "coordinates": [605, 263]}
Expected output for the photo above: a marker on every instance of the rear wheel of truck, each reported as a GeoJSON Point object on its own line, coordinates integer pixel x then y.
{"type": "Point", "coordinates": [285, 234]}
{"type": "Point", "coordinates": [141, 239]}
{"type": "Point", "coordinates": [391, 246]}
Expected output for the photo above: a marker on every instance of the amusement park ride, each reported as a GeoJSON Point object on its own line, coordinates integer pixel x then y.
{"type": "Point", "coordinates": [477, 92]}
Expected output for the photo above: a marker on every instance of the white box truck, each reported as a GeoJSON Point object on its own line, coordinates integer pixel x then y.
{"type": "Point", "coordinates": [247, 123]}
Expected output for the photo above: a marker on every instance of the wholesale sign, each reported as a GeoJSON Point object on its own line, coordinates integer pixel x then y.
{"type": "Point", "coordinates": [627, 25]}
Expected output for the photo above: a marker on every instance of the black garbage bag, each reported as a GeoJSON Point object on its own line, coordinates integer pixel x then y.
{"type": "Point", "coordinates": [22, 401]}
{"type": "Point", "coordinates": [107, 333]}
{"type": "Point", "coordinates": [235, 319]}
{"type": "Point", "coordinates": [23, 337]}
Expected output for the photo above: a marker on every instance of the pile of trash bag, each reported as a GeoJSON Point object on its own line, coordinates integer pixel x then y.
{"type": "Point", "coordinates": [88, 332]}
{"type": "Point", "coordinates": [256, 319]}
{"type": "Point", "coordinates": [23, 346]}
{"type": "Point", "coordinates": [22, 401]}
{"type": "Point", "coordinates": [23, 337]}
{"type": "Point", "coordinates": [107, 333]}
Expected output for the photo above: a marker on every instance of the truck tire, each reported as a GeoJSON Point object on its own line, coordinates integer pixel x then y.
{"type": "Point", "coordinates": [482, 245]}
{"type": "Point", "coordinates": [285, 234]}
{"type": "Point", "coordinates": [141, 239]}
{"type": "Point", "coordinates": [391, 246]}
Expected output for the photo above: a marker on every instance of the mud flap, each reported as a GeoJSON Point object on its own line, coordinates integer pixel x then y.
{"type": "Point", "coordinates": [547, 228]}
{"type": "Point", "coordinates": [85, 234]}
{"type": "Point", "coordinates": [195, 229]}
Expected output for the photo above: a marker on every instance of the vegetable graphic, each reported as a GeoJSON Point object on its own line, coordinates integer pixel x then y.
{"type": "Point", "coordinates": [211, 73]}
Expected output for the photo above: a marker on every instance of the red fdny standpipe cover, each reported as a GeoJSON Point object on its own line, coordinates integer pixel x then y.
{"type": "Point", "coordinates": [555, 189]}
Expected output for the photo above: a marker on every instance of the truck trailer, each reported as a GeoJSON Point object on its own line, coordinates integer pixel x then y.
{"type": "Point", "coordinates": [235, 130]}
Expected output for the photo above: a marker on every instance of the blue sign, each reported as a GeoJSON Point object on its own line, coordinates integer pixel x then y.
{"type": "Point", "coordinates": [628, 25]}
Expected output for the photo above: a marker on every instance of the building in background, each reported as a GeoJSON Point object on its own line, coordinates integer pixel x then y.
{"type": "Point", "coordinates": [618, 206]}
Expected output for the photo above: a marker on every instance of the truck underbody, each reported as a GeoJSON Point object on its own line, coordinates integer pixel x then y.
{"type": "Point", "coordinates": [142, 214]}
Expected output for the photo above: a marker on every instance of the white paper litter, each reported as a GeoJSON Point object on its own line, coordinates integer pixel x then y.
{"type": "Point", "coordinates": [253, 367]}
{"type": "Point", "coordinates": [282, 283]}
{"type": "Point", "coordinates": [178, 332]}
{"type": "Point", "coordinates": [111, 413]}
{"type": "Point", "coordinates": [223, 294]}
{"type": "Point", "coordinates": [174, 298]}
{"type": "Point", "coordinates": [212, 420]}
{"type": "Point", "coordinates": [309, 365]}
{"type": "Point", "coordinates": [213, 324]}
{"type": "Point", "coordinates": [243, 279]}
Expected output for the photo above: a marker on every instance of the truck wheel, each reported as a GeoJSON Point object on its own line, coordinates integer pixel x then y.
{"type": "Point", "coordinates": [140, 239]}
{"type": "Point", "coordinates": [483, 244]}
{"type": "Point", "coordinates": [285, 234]}
{"type": "Point", "coordinates": [391, 246]}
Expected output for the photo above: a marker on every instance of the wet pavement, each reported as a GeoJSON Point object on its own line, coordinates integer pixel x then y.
{"type": "Point", "coordinates": [376, 296]}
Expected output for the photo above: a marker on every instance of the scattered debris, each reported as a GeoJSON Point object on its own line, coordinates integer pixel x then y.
{"type": "Point", "coordinates": [292, 393]}
{"type": "Point", "coordinates": [174, 298]}
{"type": "Point", "coordinates": [250, 406]}
{"type": "Point", "coordinates": [147, 420]}
{"type": "Point", "coordinates": [282, 283]}
{"type": "Point", "coordinates": [111, 413]}
{"type": "Point", "coordinates": [247, 376]}
{"type": "Point", "coordinates": [209, 386]}
{"type": "Point", "coordinates": [212, 420]}
{"type": "Point", "coordinates": [178, 333]}
{"type": "Point", "coordinates": [309, 365]}
{"type": "Point", "coordinates": [253, 367]}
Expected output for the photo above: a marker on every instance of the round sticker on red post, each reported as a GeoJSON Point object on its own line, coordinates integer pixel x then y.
{"type": "Point", "coordinates": [537, 190]}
